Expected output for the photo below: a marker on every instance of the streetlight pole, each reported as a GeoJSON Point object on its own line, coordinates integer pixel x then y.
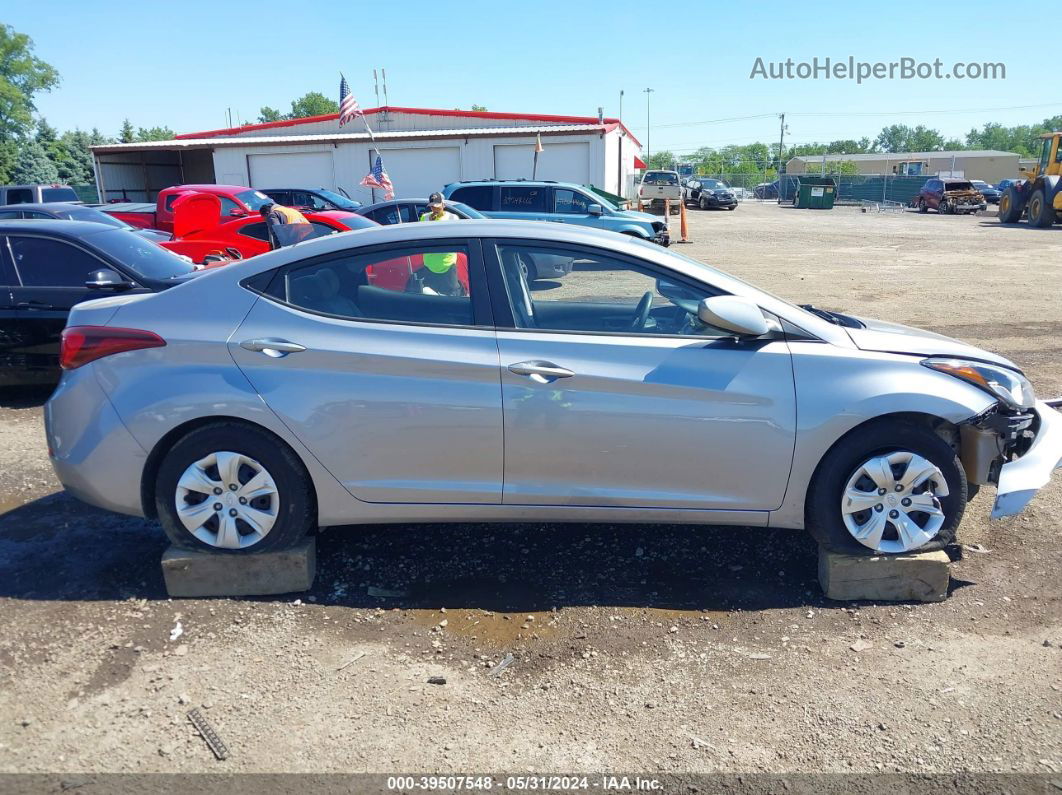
{"type": "Point", "coordinates": [647, 92]}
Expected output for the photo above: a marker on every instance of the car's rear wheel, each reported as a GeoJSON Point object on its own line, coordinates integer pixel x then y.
{"type": "Point", "coordinates": [229, 487]}
{"type": "Point", "coordinates": [889, 488]}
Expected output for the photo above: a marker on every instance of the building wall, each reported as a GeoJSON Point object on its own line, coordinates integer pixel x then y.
{"type": "Point", "coordinates": [352, 161]}
{"type": "Point", "coordinates": [989, 168]}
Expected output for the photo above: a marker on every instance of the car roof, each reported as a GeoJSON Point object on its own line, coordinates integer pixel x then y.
{"type": "Point", "coordinates": [56, 227]}
{"type": "Point", "coordinates": [513, 182]}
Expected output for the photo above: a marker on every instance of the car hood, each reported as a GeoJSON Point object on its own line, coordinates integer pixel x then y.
{"type": "Point", "coordinates": [880, 335]}
{"type": "Point", "coordinates": [637, 215]}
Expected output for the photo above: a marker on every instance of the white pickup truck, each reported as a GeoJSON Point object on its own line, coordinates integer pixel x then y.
{"type": "Point", "coordinates": [657, 186]}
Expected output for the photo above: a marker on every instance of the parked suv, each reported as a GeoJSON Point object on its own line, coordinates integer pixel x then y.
{"type": "Point", "coordinates": [555, 201]}
{"type": "Point", "coordinates": [948, 196]}
{"type": "Point", "coordinates": [33, 194]}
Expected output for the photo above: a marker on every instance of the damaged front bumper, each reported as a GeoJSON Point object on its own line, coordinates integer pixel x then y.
{"type": "Point", "coordinates": [1020, 479]}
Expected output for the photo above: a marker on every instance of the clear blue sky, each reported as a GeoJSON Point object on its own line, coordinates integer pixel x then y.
{"type": "Point", "coordinates": [182, 64]}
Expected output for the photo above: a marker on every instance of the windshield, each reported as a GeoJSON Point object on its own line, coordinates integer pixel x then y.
{"type": "Point", "coordinates": [58, 195]}
{"type": "Point", "coordinates": [597, 198]}
{"type": "Point", "coordinates": [342, 202]}
{"type": "Point", "coordinates": [979, 183]}
{"type": "Point", "coordinates": [139, 255]}
{"type": "Point", "coordinates": [89, 214]}
{"type": "Point", "coordinates": [958, 186]}
{"type": "Point", "coordinates": [712, 183]}
{"type": "Point", "coordinates": [469, 212]}
{"type": "Point", "coordinates": [253, 199]}
{"type": "Point", "coordinates": [660, 178]}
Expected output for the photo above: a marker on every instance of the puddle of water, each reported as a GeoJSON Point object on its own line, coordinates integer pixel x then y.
{"type": "Point", "coordinates": [486, 627]}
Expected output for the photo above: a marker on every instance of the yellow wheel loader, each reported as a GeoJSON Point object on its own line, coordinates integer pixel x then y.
{"type": "Point", "coordinates": [1039, 195]}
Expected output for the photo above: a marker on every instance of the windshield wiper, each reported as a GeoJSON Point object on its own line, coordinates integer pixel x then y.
{"type": "Point", "coordinates": [823, 313]}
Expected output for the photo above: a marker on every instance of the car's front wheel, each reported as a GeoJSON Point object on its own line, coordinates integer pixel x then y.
{"type": "Point", "coordinates": [888, 488]}
{"type": "Point", "coordinates": [230, 487]}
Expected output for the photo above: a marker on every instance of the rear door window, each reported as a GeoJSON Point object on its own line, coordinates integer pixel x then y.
{"type": "Point", "coordinates": [522, 199]}
{"type": "Point", "coordinates": [43, 262]}
{"type": "Point", "coordinates": [58, 195]}
{"type": "Point", "coordinates": [424, 284]}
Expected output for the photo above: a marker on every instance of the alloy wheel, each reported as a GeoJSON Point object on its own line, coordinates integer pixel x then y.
{"type": "Point", "coordinates": [891, 502]}
{"type": "Point", "coordinates": [227, 500]}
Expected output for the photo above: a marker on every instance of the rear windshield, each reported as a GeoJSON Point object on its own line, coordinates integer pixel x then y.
{"type": "Point", "coordinates": [91, 214]}
{"type": "Point", "coordinates": [58, 195]}
{"type": "Point", "coordinates": [660, 178]}
{"type": "Point", "coordinates": [139, 255]}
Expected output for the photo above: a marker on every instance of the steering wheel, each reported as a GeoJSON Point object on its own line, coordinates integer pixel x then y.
{"type": "Point", "coordinates": [641, 312]}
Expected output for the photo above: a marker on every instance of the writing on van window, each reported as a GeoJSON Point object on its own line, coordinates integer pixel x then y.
{"type": "Point", "coordinates": [523, 199]}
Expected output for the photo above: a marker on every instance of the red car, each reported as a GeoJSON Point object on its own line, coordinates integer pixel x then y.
{"type": "Point", "coordinates": [199, 231]}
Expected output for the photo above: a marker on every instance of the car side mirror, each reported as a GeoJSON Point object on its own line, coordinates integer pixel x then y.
{"type": "Point", "coordinates": [595, 209]}
{"type": "Point", "coordinates": [236, 212]}
{"type": "Point", "coordinates": [106, 279]}
{"type": "Point", "coordinates": [733, 313]}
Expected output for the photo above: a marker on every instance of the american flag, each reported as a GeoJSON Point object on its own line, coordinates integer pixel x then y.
{"type": "Point", "coordinates": [377, 178]}
{"type": "Point", "coordinates": [348, 106]}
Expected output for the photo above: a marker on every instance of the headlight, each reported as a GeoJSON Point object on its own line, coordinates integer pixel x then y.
{"type": "Point", "coordinates": [1011, 388]}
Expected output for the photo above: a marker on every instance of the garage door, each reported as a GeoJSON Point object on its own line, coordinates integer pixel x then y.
{"type": "Point", "coordinates": [292, 170]}
{"type": "Point", "coordinates": [417, 172]}
{"type": "Point", "coordinates": [561, 162]}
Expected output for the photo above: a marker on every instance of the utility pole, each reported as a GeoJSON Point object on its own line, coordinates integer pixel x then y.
{"type": "Point", "coordinates": [647, 92]}
{"type": "Point", "coordinates": [781, 148]}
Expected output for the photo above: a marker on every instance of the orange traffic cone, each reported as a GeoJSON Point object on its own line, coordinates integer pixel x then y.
{"type": "Point", "coordinates": [683, 229]}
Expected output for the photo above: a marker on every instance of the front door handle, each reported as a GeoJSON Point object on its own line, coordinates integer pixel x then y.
{"type": "Point", "coordinates": [541, 371]}
{"type": "Point", "coordinates": [272, 347]}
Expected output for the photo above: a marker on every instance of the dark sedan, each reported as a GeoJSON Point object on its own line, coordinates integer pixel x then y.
{"type": "Point", "coordinates": [74, 212]}
{"type": "Point", "coordinates": [401, 211]}
{"type": "Point", "coordinates": [47, 266]}
{"type": "Point", "coordinates": [991, 194]}
{"type": "Point", "coordinates": [316, 199]}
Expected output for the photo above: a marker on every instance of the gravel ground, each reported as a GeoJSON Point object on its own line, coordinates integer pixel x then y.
{"type": "Point", "coordinates": [636, 648]}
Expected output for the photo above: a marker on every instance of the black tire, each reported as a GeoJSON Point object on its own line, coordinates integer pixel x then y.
{"type": "Point", "coordinates": [1010, 207]}
{"type": "Point", "coordinates": [944, 208]}
{"type": "Point", "coordinates": [732, 207]}
{"type": "Point", "coordinates": [922, 206]}
{"type": "Point", "coordinates": [703, 203]}
{"type": "Point", "coordinates": [1041, 213]}
{"type": "Point", "coordinates": [297, 513]}
{"type": "Point", "coordinates": [822, 511]}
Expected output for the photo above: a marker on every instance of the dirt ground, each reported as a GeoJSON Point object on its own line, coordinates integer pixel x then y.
{"type": "Point", "coordinates": [680, 649]}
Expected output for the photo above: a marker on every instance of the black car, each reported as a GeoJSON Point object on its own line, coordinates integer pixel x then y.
{"type": "Point", "coordinates": [66, 211]}
{"type": "Point", "coordinates": [311, 199]}
{"type": "Point", "coordinates": [48, 266]}
{"type": "Point", "coordinates": [708, 193]}
{"type": "Point", "coordinates": [766, 190]}
{"type": "Point", "coordinates": [402, 211]}
{"type": "Point", "coordinates": [991, 194]}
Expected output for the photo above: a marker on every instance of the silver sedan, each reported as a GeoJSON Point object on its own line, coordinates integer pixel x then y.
{"type": "Point", "coordinates": [414, 373]}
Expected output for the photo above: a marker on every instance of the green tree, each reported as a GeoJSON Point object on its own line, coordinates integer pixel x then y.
{"type": "Point", "coordinates": [901, 138]}
{"type": "Point", "coordinates": [22, 75]}
{"type": "Point", "coordinates": [663, 159]}
{"type": "Point", "coordinates": [154, 134]}
{"type": "Point", "coordinates": [268, 114]}
{"type": "Point", "coordinates": [8, 157]}
{"type": "Point", "coordinates": [313, 104]}
{"type": "Point", "coordinates": [127, 134]}
{"type": "Point", "coordinates": [77, 166]}
{"type": "Point", "coordinates": [32, 166]}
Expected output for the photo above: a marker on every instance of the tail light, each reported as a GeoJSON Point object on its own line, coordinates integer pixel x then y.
{"type": "Point", "coordinates": [83, 344]}
{"type": "Point", "coordinates": [641, 191]}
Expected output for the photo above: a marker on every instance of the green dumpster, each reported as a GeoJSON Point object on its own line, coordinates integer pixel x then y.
{"type": "Point", "coordinates": [815, 193]}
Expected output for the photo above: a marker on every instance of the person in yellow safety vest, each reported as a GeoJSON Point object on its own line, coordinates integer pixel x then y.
{"type": "Point", "coordinates": [441, 276]}
{"type": "Point", "coordinates": [286, 225]}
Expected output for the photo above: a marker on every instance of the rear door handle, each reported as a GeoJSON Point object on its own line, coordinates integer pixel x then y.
{"type": "Point", "coordinates": [272, 347]}
{"type": "Point", "coordinates": [541, 371]}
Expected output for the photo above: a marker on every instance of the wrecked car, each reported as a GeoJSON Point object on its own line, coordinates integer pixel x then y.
{"type": "Point", "coordinates": [320, 385]}
{"type": "Point", "coordinates": [949, 196]}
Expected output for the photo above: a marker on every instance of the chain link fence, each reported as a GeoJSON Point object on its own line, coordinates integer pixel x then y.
{"type": "Point", "coordinates": [851, 189]}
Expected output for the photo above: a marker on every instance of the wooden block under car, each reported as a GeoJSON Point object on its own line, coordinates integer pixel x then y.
{"type": "Point", "coordinates": [915, 577]}
{"type": "Point", "coordinates": [191, 573]}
